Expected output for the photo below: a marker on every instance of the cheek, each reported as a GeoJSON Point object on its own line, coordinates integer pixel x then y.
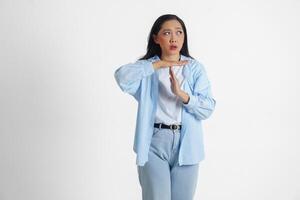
{"type": "Point", "coordinates": [181, 39]}
{"type": "Point", "coordinates": [164, 43]}
{"type": "Point", "coordinates": [181, 42]}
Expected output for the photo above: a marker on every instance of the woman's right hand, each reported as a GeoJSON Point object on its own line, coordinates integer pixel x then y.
{"type": "Point", "coordinates": [163, 64]}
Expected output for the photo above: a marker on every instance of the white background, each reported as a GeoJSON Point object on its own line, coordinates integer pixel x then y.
{"type": "Point", "coordinates": [66, 129]}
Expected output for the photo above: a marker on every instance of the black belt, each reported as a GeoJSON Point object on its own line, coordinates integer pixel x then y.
{"type": "Point", "coordinates": [172, 126]}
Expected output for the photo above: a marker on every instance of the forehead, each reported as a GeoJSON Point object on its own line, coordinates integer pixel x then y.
{"type": "Point", "coordinates": [171, 24]}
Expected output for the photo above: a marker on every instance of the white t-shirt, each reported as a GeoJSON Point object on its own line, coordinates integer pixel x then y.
{"type": "Point", "coordinates": [168, 105]}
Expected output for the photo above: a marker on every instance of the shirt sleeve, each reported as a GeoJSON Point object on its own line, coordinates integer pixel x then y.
{"type": "Point", "coordinates": [129, 76]}
{"type": "Point", "coordinates": [201, 103]}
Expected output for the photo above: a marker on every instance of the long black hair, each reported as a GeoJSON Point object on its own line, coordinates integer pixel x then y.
{"type": "Point", "coordinates": [153, 48]}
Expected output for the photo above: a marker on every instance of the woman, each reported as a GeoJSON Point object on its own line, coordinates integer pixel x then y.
{"type": "Point", "coordinates": [174, 96]}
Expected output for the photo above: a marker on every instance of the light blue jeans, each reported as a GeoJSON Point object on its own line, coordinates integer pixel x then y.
{"type": "Point", "coordinates": [161, 178]}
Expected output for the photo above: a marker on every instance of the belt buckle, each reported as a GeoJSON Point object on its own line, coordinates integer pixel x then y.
{"type": "Point", "coordinates": [176, 127]}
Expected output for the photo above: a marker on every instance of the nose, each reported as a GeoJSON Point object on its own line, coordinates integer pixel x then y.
{"type": "Point", "coordinates": [173, 38]}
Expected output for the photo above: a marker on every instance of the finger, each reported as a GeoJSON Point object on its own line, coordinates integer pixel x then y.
{"type": "Point", "coordinates": [182, 62]}
{"type": "Point", "coordinates": [173, 75]}
{"type": "Point", "coordinates": [171, 71]}
{"type": "Point", "coordinates": [171, 78]}
{"type": "Point", "coordinates": [177, 63]}
{"type": "Point", "coordinates": [174, 80]}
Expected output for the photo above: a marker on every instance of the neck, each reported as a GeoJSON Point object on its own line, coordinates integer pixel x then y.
{"type": "Point", "coordinates": [175, 57]}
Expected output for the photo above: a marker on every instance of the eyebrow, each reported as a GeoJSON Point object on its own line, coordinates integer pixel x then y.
{"type": "Point", "coordinates": [170, 29]}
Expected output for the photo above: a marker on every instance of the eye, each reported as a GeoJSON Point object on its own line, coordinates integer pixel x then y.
{"type": "Point", "coordinates": [166, 33]}
{"type": "Point", "coordinates": [180, 32]}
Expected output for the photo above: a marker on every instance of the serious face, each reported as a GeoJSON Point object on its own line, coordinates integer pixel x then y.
{"type": "Point", "coordinates": [170, 37]}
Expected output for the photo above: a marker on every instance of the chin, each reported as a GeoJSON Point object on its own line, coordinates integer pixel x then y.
{"type": "Point", "coordinates": [173, 52]}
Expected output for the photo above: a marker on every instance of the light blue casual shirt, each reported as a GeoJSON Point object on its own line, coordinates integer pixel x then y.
{"type": "Point", "coordinates": [140, 80]}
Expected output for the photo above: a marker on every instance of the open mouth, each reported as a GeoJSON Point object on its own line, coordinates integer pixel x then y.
{"type": "Point", "coordinates": [173, 47]}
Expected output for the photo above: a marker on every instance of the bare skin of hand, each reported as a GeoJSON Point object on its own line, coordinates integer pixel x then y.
{"type": "Point", "coordinates": [162, 63]}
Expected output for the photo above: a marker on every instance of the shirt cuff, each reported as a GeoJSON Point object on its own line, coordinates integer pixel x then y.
{"type": "Point", "coordinates": [188, 100]}
{"type": "Point", "coordinates": [190, 103]}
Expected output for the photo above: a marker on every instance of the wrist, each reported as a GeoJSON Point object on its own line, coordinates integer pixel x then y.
{"type": "Point", "coordinates": [185, 97]}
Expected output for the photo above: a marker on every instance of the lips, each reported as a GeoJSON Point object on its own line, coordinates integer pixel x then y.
{"type": "Point", "coordinates": [173, 47]}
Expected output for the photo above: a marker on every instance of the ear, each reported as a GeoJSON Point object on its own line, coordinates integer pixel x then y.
{"type": "Point", "coordinates": [155, 38]}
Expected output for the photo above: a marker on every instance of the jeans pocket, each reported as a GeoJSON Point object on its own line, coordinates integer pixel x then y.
{"type": "Point", "coordinates": [155, 131]}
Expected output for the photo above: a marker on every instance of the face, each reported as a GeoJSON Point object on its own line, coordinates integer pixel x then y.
{"type": "Point", "coordinates": [170, 37]}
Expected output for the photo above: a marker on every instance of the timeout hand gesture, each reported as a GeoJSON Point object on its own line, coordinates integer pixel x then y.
{"type": "Point", "coordinates": [175, 87]}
